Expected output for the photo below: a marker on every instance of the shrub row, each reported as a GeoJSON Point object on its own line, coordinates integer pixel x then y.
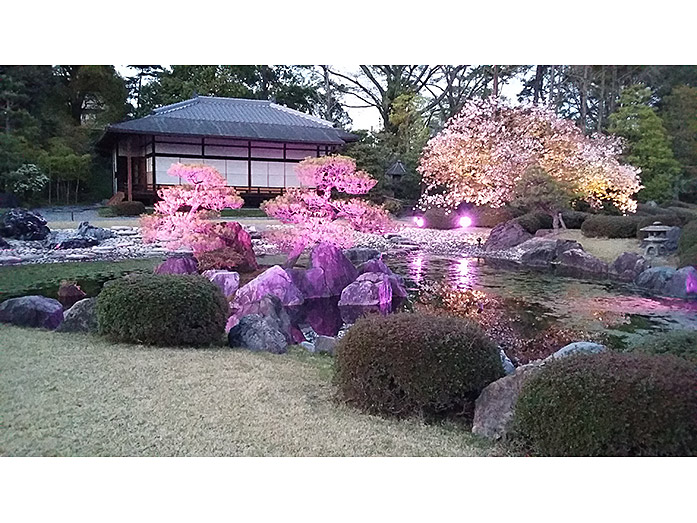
{"type": "Point", "coordinates": [687, 247]}
{"type": "Point", "coordinates": [610, 404]}
{"type": "Point", "coordinates": [610, 226]}
{"type": "Point", "coordinates": [130, 208]}
{"type": "Point", "coordinates": [162, 309]}
{"type": "Point", "coordinates": [415, 363]}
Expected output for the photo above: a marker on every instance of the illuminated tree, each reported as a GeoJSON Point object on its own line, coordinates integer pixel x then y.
{"type": "Point", "coordinates": [484, 150]}
{"type": "Point", "coordinates": [315, 216]}
{"type": "Point", "coordinates": [181, 217]}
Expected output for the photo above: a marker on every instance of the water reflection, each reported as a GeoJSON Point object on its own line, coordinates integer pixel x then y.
{"type": "Point", "coordinates": [573, 303]}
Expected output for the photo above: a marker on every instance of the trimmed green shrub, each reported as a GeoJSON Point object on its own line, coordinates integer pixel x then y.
{"type": "Point", "coordinates": [132, 208]}
{"type": "Point", "coordinates": [610, 226]}
{"type": "Point", "coordinates": [574, 219]}
{"type": "Point", "coordinates": [681, 343]}
{"type": "Point", "coordinates": [415, 363]}
{"type": "Point", "coordinates": [687, 246]}
{"type": "Point", "coordinates": [610, 404]}
{"type": "Point", "coordinates": [162, 309]}
{"type": "Point", "coordinates": [440, 219]}
{"type": "Point", "coordinates": [534, 221]}
{"type": "Point", "coordinates": [488, 217]}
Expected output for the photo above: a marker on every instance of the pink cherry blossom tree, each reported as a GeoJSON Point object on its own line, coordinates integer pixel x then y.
{"type": "Point", "coordinates": [181, 217]}
{"type": "Point", "coordinates": [317, 217]}
{"type": "Point", "coordinates": [484, 151]}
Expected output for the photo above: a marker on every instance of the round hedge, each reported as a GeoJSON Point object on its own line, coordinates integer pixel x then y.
{"type": "Point", "coordinates": [162, 309]}
{"type": "Point", "coordinates": [414, 363]}
{"type": "Point", "coordinates": [610, 404]}
{"type": "Point", "coordinates": [610, 226]}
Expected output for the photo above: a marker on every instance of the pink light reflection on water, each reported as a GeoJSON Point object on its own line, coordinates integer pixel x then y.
{"type": "Point", "coordinates": [461, 272]}
{"type": "Point", "coordinates": [416, 267]}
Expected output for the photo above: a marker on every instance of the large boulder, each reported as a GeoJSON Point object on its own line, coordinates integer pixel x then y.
{"type": "Point", "coordinates": [270, 308]}
{"type": "Point", "coordinates": [579, 262]}
{"type": "Point", "coordinates": [32, 311]}
{"type": "Point", "coordinates": [178, 265]}
{"type": "Point", "coordinates": [495, 406]}
{"type": "Point", "coordinates": [257, 333]}
{"type": "Point", "coordinates": [311, 282]}
{"type": "Point", "coordinates": [505, 236]}
{"type": "Point", "coordinates": [81, 317]}
{"type": "Point", "coordinates": [578, 347]}
{"type": "Point", "coordinates": [272, 282]}
{"type": "Point", "coordinates": [227, 281]}
{"type": "Point", "coordinates": [399, 291]}
{"type": "Point", "coordinates": [543, 251]}
{"type": "Point", "coordinates": [338, 269]}
{"type": "Point", "coordinates": [22, 224]}
{"type": "Point", "coordinates": [683, 284]}
{"type": "Point", "coordinates": [628, 266]}
{"type": "Point", "coordinates": [98, 233]}
{"type": "Point", "coordinates": [358, 255]}
{"type": "Point", "coordinates": [69, 294]}
{"type": "Point", "coordinates": [672, 239]}
{"type": "Point", "coordinates": [654, 279]}
{"type": "Point", "coordinates": [371, 292]}
{"type": "Point", "coordinates": [77, 242]}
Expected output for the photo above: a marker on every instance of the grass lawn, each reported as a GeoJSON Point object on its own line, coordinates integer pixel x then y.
{"type": "Point", "coordinates": [79, 395]}
{"type": "Point", "coordinates": [608, 249]}
{"type": "Point", "coordinates": [44, 278]}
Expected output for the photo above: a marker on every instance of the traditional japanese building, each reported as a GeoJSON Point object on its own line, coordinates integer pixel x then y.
{"type": "Point", "coordinates": [255, 144]}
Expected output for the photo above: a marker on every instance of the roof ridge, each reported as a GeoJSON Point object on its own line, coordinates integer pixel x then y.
{"type": "Point", "coordinates": [316, 119]}
{"type": "Point", "coordinates": [175, 106]}
{"type": "Point", "coordinates": [229, 98]}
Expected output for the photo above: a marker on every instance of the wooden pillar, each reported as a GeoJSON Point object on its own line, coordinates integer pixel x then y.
{"type": "Point", "coordinates": [129, 170]}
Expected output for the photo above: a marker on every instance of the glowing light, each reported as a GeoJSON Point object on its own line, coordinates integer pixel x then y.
{"type": "Point", "coordinates": [465, 221]}
{"type": "Point", "coordinates": [419, 221]}
{"type": "Point", "coordinates": [416, 267]}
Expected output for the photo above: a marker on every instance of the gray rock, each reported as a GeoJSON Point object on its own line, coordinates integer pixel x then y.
{"type": "Point", "coordinates": [579, 347]}
{"type": "Point", "coordinates": [495, 406]}
{"type": "Point", "coordinates": [32, 311]}
{"type": "Point", "coordinates": [508, 366]}
{"type": "Point", "coordinates": [227, 281]}
{"type": "Point", "coordinates": [542, 252]}
{"type": "Point", "coordinates": [628, 266]}
{"type": "Point", "coordinates": [307, 345]}
{"type": "Point", "coordinates": [178, 265]}
{"type": "Point", "coordinates": [22, 224]}
{"type": "Point", "coordinates": [358, 255]}
{"type": "Point", "coordinates": [338, 270]}
{"type": "Point", "coordinates": [683, 284]}
{"type": "Point", "coordinates": [673, 237]}
{"type": "Point", "coordinates": [372, 291]}
{"type": "Point", "coordinates": [257, 333]}
{"type": "Point", "coordinates": [655, 278]}
{"type": "Point", "coordinates": [325, 344]}
{"type": "Point", "coordinates": [81, 317]}
{"type": "Point", "coordinates": [506, 235]}
{"type": "Point", "coordinates": [91, 231]}
{"type": "Point", "coordinates": [578, 261]}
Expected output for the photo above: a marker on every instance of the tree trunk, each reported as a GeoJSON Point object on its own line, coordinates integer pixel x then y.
{"type": "Point", "coordinates": [584, 98]}
{"type": "Point", "coordinates": [601, 101]}
{"type": "Point", "coordinates": [561, 221]}
{"type": "Point", "coordinates": [555, 222]}
{"type": "Point", "coordinates": [496, 80]}
{"type": "Point", "coordinates": [537, 87]}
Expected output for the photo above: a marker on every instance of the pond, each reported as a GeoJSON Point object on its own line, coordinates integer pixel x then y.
{"type": "Point", "coordinates": [614, 308]}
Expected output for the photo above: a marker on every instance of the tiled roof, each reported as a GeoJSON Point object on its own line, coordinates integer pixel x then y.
{"type": "Point", "coordinates": [235, 118]}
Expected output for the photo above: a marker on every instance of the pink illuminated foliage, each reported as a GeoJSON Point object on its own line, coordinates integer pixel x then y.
{"type": "Point", "coordinates": [485, 149]}
{"type": "Point", "coordinates": [315, 216]}
{"type": "Point", "coordinates": [181, 217]}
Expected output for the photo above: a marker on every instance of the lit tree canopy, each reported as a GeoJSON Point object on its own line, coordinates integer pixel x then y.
{"type": "Point", "coordinates": [484, 150]}
{"type": "Point", "coordinates": [315, 215]}
{"type": "Point", "coordinates": [180, 216]}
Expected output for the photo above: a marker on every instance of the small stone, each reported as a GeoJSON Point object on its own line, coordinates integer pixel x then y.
{"type": "Point", "coordinates": [579, 347]}
{"type": "Point", "coordinates": [307, 345]}
{"type": "Point", "coordinates": [325, 344]}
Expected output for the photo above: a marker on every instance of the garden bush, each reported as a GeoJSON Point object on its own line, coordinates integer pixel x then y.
{"type": "Point", "coordinates": [534, 221]}
{"type": "Point", "coordinates": [687, 246]}
{"type": "Point", "coordinates": [415, 363]}
{"type": "Point", "coordinates": [610, 404]}
{"type": "Point", "coordinates": [488, 217]}
{"type": "Point", "coordinates": [610, 226]}
{"type": "Point", "coordinates": [132, 208]}
{"type": "Point", "coordinates": [681, 343]}
{"type": "Point", "coordinates": [440, 219]}
{"type": "Point", "coordinates": [574, 219]}
{"type": "Point", "coordinates": [162, 309]}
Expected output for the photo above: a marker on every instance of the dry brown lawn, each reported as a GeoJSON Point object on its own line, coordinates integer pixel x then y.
{"type": "Point", "coordinates": [79, 395]}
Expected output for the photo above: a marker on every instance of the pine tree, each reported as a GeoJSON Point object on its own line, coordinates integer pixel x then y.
{"type": "Point", "coordinates": [648, 143]}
